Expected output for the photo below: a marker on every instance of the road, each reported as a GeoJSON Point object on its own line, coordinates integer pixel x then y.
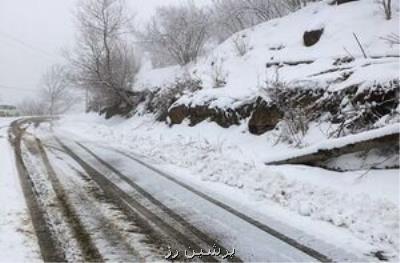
{"type": "Point", "coordinates": [91, 202]}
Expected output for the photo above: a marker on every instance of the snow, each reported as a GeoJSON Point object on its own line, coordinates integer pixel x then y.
{"type": "Point", "coordinates": [281, 40]}
{"type": "Point", "coordinates": [362, 207]}
{"type": "Point", "coordinates": [157, 77]}
{"type": "Point", "coordinates": [17, 238]}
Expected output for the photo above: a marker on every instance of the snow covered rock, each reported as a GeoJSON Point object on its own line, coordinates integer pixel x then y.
{"type": "Point", "coordinates": [312, 37]}
{"type": "Point", "coordinates": [264, 118]}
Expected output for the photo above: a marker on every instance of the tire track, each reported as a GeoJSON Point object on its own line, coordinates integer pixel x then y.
{"type": "Point", "coordinates": [131, 205]}
{"type": "Point", "coordinates": [110, 229]}
{"type": "Point", "coordinates": [85, 242]}
{"type": "Point", "coordinates": [307, 250]}
{"type": "Point", "coordinates": [50, 249]}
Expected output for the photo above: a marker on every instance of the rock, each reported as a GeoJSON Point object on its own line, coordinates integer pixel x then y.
{"type": "Point", "coordinates": [312, 37]}
{"type": "Point", "coordinates": [264, 118]}
{"type": "Point", "coordinates": [199, 113]}
{"type": "Point", "coordinates": [177, 114]}
{"type": "Point", "coordinates": [224, 118]}
{"type": "Point", "coordinates": [339, 2]}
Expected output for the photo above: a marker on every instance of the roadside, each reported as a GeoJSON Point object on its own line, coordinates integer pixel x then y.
{"type": "Point", "coordinates": [17, 237]}
{"type": "Point", "coordinates": [355, 211]}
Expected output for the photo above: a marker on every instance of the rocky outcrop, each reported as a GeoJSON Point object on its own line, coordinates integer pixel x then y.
{"type": "Point", "coordinates": [367, 106]}
{"type": "Point", "coordinates": [199, 113]}
{"type": "Point", "coordinates": [263, 116]}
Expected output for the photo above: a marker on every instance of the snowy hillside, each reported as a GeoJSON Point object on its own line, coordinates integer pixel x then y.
{"type": "Point", "coordinates": [334, 62]}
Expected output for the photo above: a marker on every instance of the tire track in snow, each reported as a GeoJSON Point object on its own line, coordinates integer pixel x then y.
{"type": "Point", "coordinates": [307, 250]}
{"type": "Point", "coordinates": [131, 204]}
{"type": "Point", "coordinates": [86, 244]}
{"type": "Point", "coordinates": [49, 247]}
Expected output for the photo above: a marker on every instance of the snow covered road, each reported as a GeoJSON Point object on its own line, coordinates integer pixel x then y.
{"type": "Point", "coordinates": [100, 203]}
{"type": "Point", "coordinates": [92, 201]}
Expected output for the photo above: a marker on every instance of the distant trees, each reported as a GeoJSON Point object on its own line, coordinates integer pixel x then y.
{"type": "Point", "coordinates": [176, 34]}
{"type": "Point", "coordinates": [55, 96]}
{"type": "Point", "coordinates": [231, 16]}
{"type": "Point", "coordinates": [104, 63]}
{"type": "Point", "coordinates": [31, 107]}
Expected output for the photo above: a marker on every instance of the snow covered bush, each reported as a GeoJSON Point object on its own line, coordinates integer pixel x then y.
{"type": "Point", "coordinates": [218, 73]}
{"type": "Point", "coordinates": [293, 103]}
{"type": "Point", "coordinates": [359, 109]}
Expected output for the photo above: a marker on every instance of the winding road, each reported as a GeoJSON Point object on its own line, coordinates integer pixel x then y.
{"type": "Point", "coordinates": [94, 203]}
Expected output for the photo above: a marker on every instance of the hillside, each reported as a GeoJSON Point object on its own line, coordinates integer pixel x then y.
{"type": "Point", "coordinates": [237, 77]}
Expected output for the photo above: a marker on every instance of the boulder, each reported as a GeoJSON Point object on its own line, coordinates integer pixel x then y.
{"type": "Point", "coordinates": [178, 113]}
{"type": "Point", "coordinates": [264, 118]}
{"type": "Point", "coordinates": [312, 37]}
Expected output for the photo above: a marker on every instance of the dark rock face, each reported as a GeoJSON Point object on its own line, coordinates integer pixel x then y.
{"type": "Point", "coordinates": [198, 113]}
{"type": "Point", "coordinates": [264, 118]}
{"type": "Point", "coordinates": [178, 114]}
{"type": "Point", "coordinates": [312, 37]}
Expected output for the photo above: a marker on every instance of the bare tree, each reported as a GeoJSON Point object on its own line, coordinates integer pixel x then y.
{"type": "Point", "coordinates": [177, 34]}
{"type": "Point", "coordinates": [55, 95]}
{"type": "Point", "coordinates": [103, 62]}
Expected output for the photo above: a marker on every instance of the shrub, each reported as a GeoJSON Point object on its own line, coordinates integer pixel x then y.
{"type": "Point", "coordinates": [293, 104]}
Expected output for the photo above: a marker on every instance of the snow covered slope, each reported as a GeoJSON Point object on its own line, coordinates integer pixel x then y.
{"type": "Point", "coordinates": [335, 62]}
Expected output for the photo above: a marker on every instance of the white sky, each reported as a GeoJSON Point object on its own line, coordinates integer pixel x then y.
{"type": "Point", "coordinates": [44, 27]}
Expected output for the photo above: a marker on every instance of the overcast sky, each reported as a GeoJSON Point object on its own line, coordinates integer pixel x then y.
{"type": "Point", "coordinates": [32, 33]}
